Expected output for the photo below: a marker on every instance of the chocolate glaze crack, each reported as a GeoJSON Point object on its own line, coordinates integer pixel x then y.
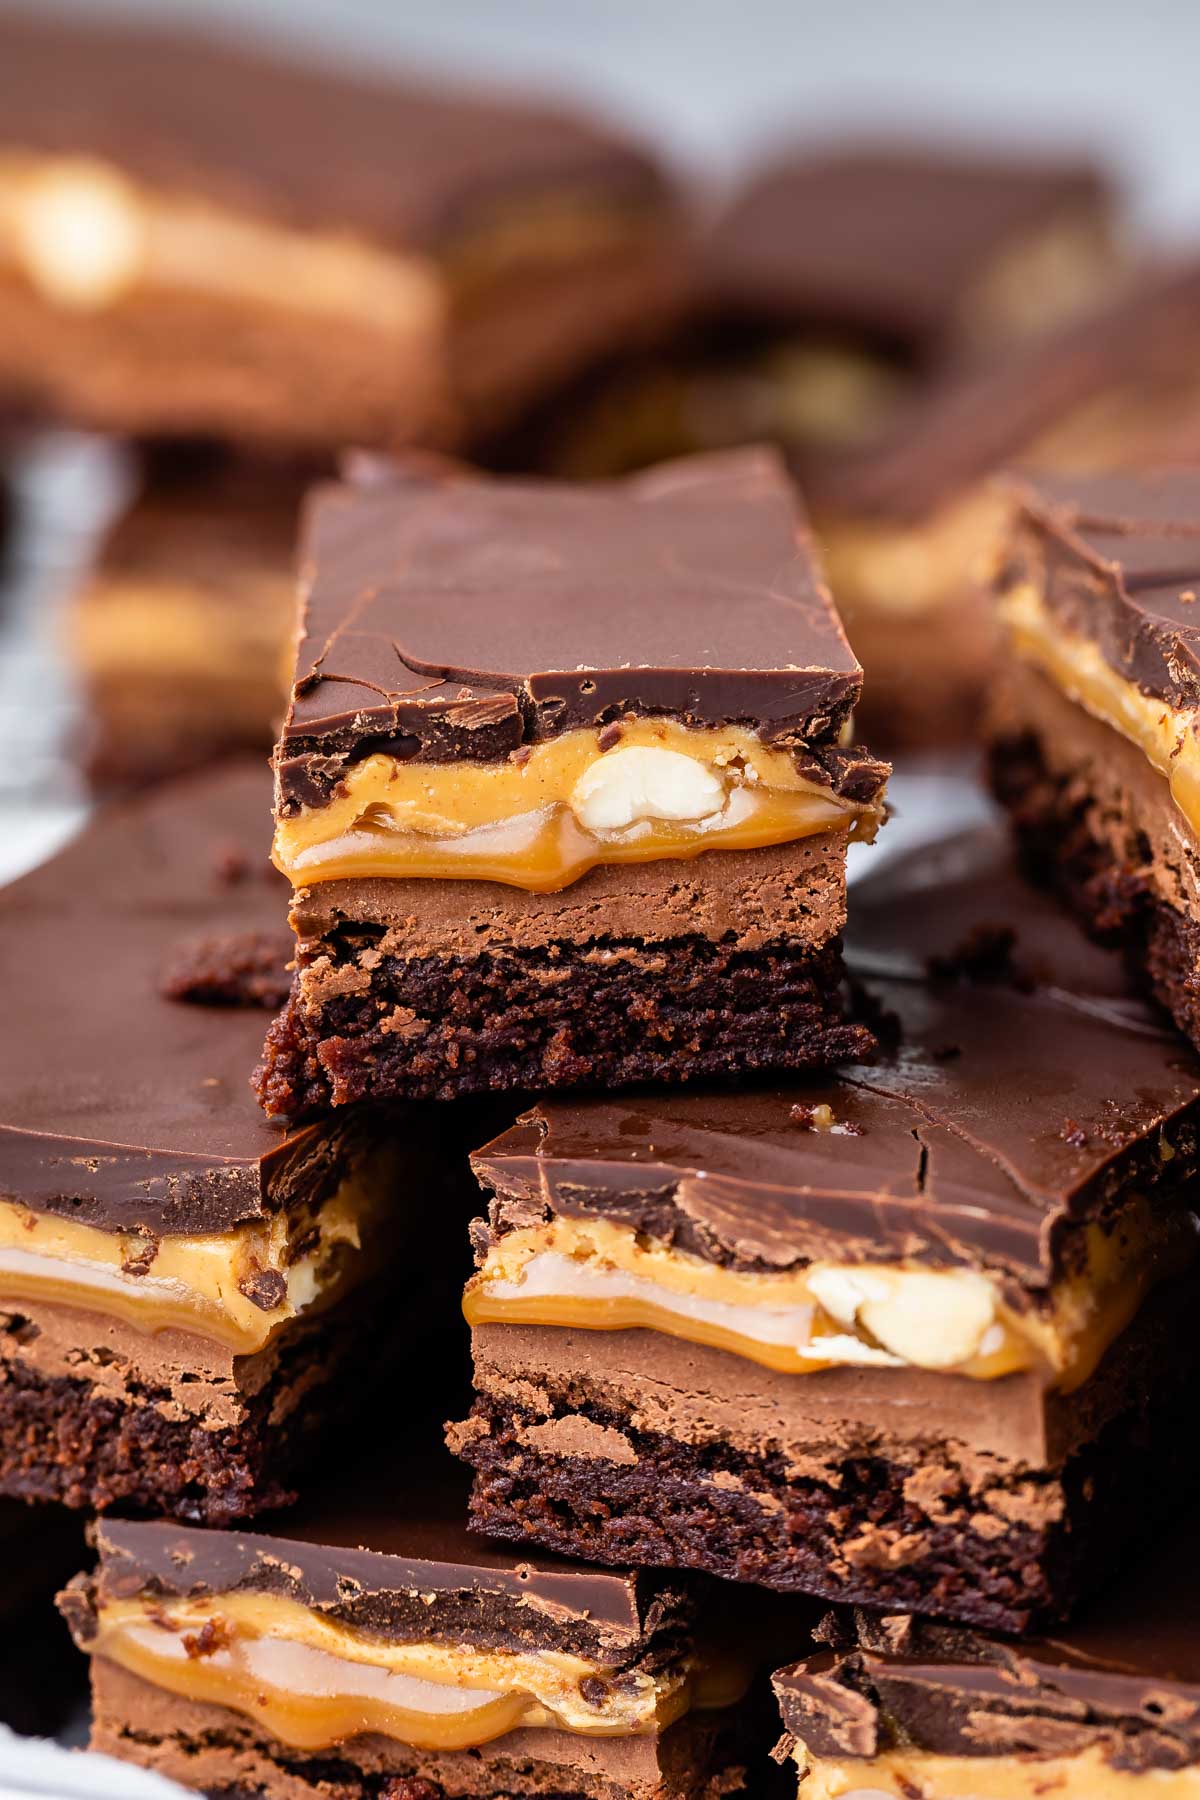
{"type": "Point", "coordinates": [1060, 1097]}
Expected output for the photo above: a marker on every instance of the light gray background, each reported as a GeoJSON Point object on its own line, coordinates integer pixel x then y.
{"type": "Point", "coordinates": [715, 76]}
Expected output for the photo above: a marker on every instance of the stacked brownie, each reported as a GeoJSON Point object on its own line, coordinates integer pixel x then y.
{"type": "Point", "coordinates": [827, 1249]}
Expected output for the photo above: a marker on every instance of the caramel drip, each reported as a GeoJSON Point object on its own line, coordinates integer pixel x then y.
{"type": "Point", "coordinates": [514, 822]}
{"type": "Point", "coordinates": [313, 1683]}
{"type": "Point", "coordinates": [1166, 737]}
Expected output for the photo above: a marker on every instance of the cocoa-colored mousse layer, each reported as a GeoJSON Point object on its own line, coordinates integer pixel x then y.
{"type": "Point", "coordinates": [893, 1487]}
{"type": "Point", "coordinates": [1094, 821]}
{"type": "Point", "coordinates": [658, 971]}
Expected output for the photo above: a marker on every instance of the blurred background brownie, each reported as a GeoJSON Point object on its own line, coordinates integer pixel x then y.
{"type": "Point", "coordinates": [562, 791]}
{"type": "Point", "coordinates": [181, 634]}
{"type": "Point", "coordinates": [200, 239]}
{"type": "Point", "coordinates": [910, 1338]}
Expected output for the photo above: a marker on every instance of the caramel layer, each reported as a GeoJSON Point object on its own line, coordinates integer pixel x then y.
{"type": "Point", "coordinates": [911, 1775]}
{"type": "Point", "coordinates": [200, 1284]}
{"type": "Point", "coordinates": [1166, 737]}
{"type": "Point", "coordinates": [86, 237]}
{"type": "Point", "coordinates": [313, 1683]}
{"type": "Point", "coordinates": [540, 820]}
{"type": "Point", "coordinates": [601, 1276]}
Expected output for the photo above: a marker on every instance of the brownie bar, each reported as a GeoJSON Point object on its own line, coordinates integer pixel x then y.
{"type": "Point", "coordinates": [182, 632]}
{"type": "Point", "coordinates": [371, 1646]}
{"type": "Point", "coordinates": [183, 1290]}
{"type": "Point", "coordinates": [201, 238]}
{"type": "Point", "coordinates": [913, 1338]}
{"type": "Point", "coordinates": [1109, 1706]}
{"type": "Point", "coordinates": [1094, 749]}
{"type": "Point", "coordinates": [562, 791]}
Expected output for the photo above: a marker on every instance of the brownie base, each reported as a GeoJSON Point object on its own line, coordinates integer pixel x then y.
{"type": "Point", "coordinates": [186, 1444]}
{"type": "Point", "coordinates": [1096, 824]}
{"type": "Point", "coordinates": [436, 1028]}
{"type": "Point", "coordinates": [225, 1755]}
{"type": "Point", "coordinates": [890, 1506]}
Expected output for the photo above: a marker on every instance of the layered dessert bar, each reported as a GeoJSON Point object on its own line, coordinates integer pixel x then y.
{"type": "Point", "coordinates": [183, 1289]}
{"type": "Point", "coordinates": [372, 1647]}
{"type": "Point", "coordinates": [914, 1338]}
{"type": "Point", "coordinates": [910, 528]}
{"type": "Point", "coordinates": [564, 792]}
{"type": "Point", "coordinates": [1107, 1709]}
{"type": "Point", "coordinates": [181, 633]}
{"type": "Point", "coordinates": [197, 238]}
{"type": "Point", "coordinates": [841, 277]}
{"type": "Point", "coordinates": [1096, 742]}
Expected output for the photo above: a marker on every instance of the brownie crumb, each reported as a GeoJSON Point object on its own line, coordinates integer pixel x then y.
{"type": "Point", "coordinates": [266, 1288]}
{"type": "Point", "coordinates": [247, 968]}
{"type": "Point", "coordinates": [212, 1636]}
{"type": "Point", "coordinates": [231, 865]}
{"type": "Point", "coordinates": [140, 1262]}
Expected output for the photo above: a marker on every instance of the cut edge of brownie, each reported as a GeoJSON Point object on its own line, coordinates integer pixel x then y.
{"type": "Point", "coordinates": [437, 1027]}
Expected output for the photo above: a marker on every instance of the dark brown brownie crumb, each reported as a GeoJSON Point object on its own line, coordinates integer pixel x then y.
{"type": "Point", "coordinates": [1112, 895]}
{"type": "Point", "coordinates": [686, 1011]}
{"type": "Point", "coordinates": [247, 968]}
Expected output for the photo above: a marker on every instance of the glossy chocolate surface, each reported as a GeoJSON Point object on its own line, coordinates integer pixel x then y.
{"type": "Point", "coordinates": [204, 116]}
{"type": "Point", "coordinates": [884, 239]}
{"type": "Point", "coordinates": [1117, 560]}
{"type": "Point", "coordinates": [120, 1108]}
{"type": "Point", "coordinates": [1128, 1670]}
{"type": "Point", "coordinates": [1028, 1088]}
{"type": "Point", "coordinates": [385, 1546]}
{"type": "Point", "coordinates": [453, 617]}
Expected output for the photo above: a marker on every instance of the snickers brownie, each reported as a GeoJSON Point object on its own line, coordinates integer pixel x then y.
{"type": "Point", "coordinates": [563, 790]}
{"type": "Point", "coordinates": [910, 527]}
{"type": "Point", "coordinates": [1107, 1709]}
{"type": "Point", "coordinates": [371, 1647]}
{"type": "Point", "coordinates": [1096, 741]}
{"type": "Point", "coordinates": [182, 1288]}
{"type": "Point", "coordinates": [181, 634]}
{"type": "Point", "coordinates": [915, 1338]}
{"type": "Point", "coordinates": [198, 238]}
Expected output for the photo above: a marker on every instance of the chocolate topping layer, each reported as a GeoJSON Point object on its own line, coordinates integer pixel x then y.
{"type": "Point", "coordinates": [691, 591]}
{"type": "Point", "coordinates": [1116, 559]}
{"type": "Point", "coordinates": [387, 1551]}
{"type": "Point", "coordinates": [1142, 348]}
{"type": "Point", "coordinates": [121, 1108]}
{"type": "Point", "coordinates": [1028, 1090]}
{"type": "Point", "coordinates": [886, 239]}
{"type": "Point", "coordinates": [397, 162]}
{"type": "Point", "coordinates": [1126, 1675]}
